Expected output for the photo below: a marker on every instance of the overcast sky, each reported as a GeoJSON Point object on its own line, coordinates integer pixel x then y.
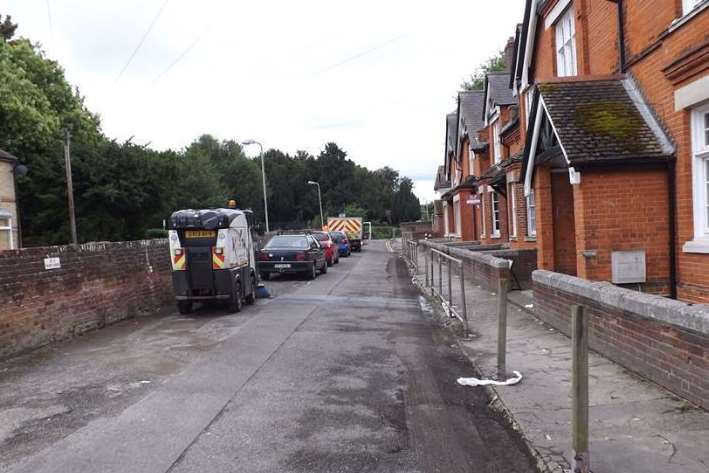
{"type": "Point", "coordinates": [376, 77]}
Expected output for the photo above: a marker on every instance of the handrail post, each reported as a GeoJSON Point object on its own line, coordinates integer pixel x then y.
{"type": "Point", "coordinates": [579, 383]}
{"type": "Point", "coordinates": [450, 284]}
{"type": "Point", "coordinates": [440, 277]}
{"type": "Point", "coordinates": [425, 262]}
{"type": "Point", "coordinates": [462, 295]}
{"type": "Point", "coordinates": [502, 286]}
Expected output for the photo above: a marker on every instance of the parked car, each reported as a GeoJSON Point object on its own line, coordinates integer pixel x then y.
{"type": "Point", "coordinates": [331, 254]}
{"type": "Point", "coordinates": [299, 253]}
{"type": "Point", "coordinates": [343, 244]}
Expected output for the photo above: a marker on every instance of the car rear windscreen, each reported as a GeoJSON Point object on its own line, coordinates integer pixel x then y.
{"type": "Point", "coordinates": [288, 242]}
{"type": "Point", "coordinates": [321, 236]}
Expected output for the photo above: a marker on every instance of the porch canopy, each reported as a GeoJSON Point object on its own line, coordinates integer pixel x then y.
{"type": "Point", "coordinates": [582, 123]}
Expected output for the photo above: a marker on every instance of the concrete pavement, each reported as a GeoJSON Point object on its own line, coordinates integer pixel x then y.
{"type": "Point", "coordinates": [635, 425]}
{"type": "Point", "coordinates": [345, 373]}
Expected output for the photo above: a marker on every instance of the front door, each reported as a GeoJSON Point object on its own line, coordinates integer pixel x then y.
{"type": "Point", "coordinates": [564, 226]}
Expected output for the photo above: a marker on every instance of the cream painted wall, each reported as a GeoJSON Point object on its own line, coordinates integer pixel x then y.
{"type": "Point", "coordinates": [7, 198]}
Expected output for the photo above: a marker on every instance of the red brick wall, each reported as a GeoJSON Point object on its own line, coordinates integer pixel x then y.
{"type": "Point", "coordinates": [666, 353]}
{"type": "Point", "coordinates": [632, 215]}
{"type": "Point", "coordinates": [646, 21]}
{"type": "Point", "coordinates": [98, 284]}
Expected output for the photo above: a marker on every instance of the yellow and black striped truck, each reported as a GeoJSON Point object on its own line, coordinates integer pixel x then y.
{"type": "Point", "coordinates": [352, 226]}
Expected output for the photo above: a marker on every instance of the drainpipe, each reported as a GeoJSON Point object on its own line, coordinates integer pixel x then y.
{"type": "Point", "coordinates": [671, 174]}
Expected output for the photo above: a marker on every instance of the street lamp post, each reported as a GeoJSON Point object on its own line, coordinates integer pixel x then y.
{"type": "Point", "coordinates": [313, 183]}
{"type": "Point", "coordinates": [263, 179]}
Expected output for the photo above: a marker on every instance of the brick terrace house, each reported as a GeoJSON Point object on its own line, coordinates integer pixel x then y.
{"type": "Point", "coordinates": [441, 186]}
{"type": "Point", "coordinates": [468, 143]}
{"type": "Point", "coordinates": [453, 177]}
{"type": "Point", "coordinates": [614, 113]}
{"type": "Point", "coordinates": [9, 224]}
{"type": "Point", "coordinates": [499, 115]}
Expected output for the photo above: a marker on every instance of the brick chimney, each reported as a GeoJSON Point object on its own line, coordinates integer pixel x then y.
{"type": "Point", "coordinates": [509, 53]}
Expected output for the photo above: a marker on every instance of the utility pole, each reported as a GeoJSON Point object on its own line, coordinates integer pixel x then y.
{"type": "Point", "coordinates": [70, 186]}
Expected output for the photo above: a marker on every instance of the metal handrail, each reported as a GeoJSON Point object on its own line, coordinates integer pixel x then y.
{"type": "Point", "coordinates": [450, 259]}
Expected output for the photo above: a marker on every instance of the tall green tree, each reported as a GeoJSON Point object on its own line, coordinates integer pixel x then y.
{"type": "Point", "coordinates": [495, 63]}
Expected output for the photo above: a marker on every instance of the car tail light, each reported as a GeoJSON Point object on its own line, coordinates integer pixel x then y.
{"type": "Point", "coordinates": [300, 257]}
{"type": "Point", "coordinates": [263, 256]}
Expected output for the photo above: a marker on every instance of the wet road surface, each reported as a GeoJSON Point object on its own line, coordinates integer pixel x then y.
{"type": "Point", "coordinates": [343, 374]}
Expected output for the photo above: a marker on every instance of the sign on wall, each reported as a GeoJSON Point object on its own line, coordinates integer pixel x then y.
{"type": "Point", "coordinates": [52, 263]}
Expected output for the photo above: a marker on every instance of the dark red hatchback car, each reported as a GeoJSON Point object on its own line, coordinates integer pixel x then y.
{"type": "Point", "coordinates": [331, 254]}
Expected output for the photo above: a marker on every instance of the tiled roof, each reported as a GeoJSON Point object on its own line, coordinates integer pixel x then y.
{"type": "Point", "coordinates": [471, 111]}
{"type": "Point", "coordinates": [603, 120]}
{"type": "Point", "coordinates": [497, 88]}
{"type": "Point", "coordinates": [451, 132]}
{"type": "Point", "coordinates": [441, 181]}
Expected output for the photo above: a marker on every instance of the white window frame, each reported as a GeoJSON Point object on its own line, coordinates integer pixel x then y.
{"type": "Point", "coordinates": [482, 214]}
{"type": "Point", "coordinates": [495, 209]}
{"type": "Point", "coordinates": [513, 209]}
{"type": "Point", "coordinates": [497, 141]}
{"type": "Point", "coordinates": [689, 5]}
{"type": "Point", "coordinates": [8, 229]}
{"type": "Point", "coordinates": [531, 215]}
{"type": "Point", "coordinates": [457, 213]}
{"type": "Point", "coordinates": [446, 232]}
{"type": "Point", "coordinates": [528, 104]}
{"type": "Point", "coordinates": [565, 30]}
{"type": "Point", "coordinates": [700, 180]}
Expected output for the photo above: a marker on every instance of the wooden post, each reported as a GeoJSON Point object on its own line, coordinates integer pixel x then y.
{"type": "Point", "coordinates": [579, 386]}
{"type": "Point", "coordinates": [502, 286]}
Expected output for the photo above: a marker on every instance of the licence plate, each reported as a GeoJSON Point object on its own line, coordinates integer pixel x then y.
{"type": "Point", "coordinates": [281, 266]}
{"type": "Point", "coordinates": [200, 234]}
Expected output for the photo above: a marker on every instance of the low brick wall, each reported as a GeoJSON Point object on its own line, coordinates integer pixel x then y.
{"type": "Point", "coordinates": [524, 262]}
{"type": "Point", "coordinates": [486, 264]}
{"type": "Point", "coordinates": [664, 340]}
{"type": "Point", "coordinates": [97, 284]}
{"type": "Point", "coordinates": [481, 268]}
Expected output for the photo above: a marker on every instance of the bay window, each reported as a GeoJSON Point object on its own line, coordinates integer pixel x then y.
{"type": "Point", "coordinates": [495, 214]}
{"type": "Point", "coordinates": [531, 215]}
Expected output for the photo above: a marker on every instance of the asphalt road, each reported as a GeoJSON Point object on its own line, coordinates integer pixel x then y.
{"type": "Point", "coordinates": [348, 373]}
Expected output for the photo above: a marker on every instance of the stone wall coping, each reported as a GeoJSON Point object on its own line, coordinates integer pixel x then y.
{"type": "Point", "coordinates": [693, 317]}
{"type": "Point", "coordinates": [90, 247]}
{"type": "Point", "coordinates": [465, 254]}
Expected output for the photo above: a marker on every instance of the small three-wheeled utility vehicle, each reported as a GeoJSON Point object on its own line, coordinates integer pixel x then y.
{"type": "Point", "coordinates": [212, 254]}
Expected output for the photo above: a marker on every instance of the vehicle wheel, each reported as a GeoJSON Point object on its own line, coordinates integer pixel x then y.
{"type": "Point", "coordinates": [349, 253]}
{"type": "Point", "coordinates": [184, 307]}
{"type": "Point", "coordinates": [323, 270]}
{"type": "Point", "coordinates": [313, 273]}
{"type": "Point", "coordinates": [251, 296]}
{"type": "Point", "coordinates": [235, 303]}
{"type": "Point", "coordinates": [331, 261]}
{"type": "Point", "coordinates": [265, 276]}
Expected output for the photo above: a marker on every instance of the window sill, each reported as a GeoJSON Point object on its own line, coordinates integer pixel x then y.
{"type": "Point", "coordinates": [495, 237]}
{"type": "Point", "coordinates": [696, 246]}
{"type": "Point", "coordinates": [513, 238]}
{"type": "Point", "coordinates": [530, 238]}
{"type": "Point", "coordinates": [677, 23]}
